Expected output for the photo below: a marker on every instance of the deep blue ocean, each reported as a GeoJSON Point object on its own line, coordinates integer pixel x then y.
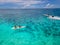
{"type": "Point", "coordinates": [39, 29]}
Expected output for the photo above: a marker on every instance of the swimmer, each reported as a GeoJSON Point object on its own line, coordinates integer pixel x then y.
{"type": "Point", "coordinates": [52, 16]}
{"type": "Point", "coordinates": [22, 26]}
{"type": "Point", "coordinates": [19, 26]}
{"type": "Point", "coordinates": [15, 27]}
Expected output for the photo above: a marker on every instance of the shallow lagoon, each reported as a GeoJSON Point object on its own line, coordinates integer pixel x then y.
{"type": "Point", "coordinates": [39, 29]}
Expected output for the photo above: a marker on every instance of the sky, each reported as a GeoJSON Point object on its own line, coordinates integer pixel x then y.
{"type": "Point", "coordinates": [22, 4]}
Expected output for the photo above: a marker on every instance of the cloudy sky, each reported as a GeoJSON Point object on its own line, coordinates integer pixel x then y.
{"type": "Point", "coordinates": [21, 4]}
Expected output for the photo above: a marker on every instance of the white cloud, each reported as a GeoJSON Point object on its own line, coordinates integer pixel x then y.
{"type": "Point", "coordinates": [29, 3]}
{"type": "Point", "coordinates": [10, 0]}
{"type": "Point", "coordinates": [16, 0]}
{"type": "Point", "coordinates": [26, 3]}
{"type": "Point", "coordinates": [49, 5]}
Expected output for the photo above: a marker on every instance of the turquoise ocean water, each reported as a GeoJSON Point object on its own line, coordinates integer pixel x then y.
{"type": "Point", "coordinates": [39, 29]}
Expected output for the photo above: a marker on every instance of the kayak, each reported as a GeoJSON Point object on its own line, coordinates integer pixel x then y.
{"type": "Point", "coordinates": [18, 27]}
{"type": "Point", "coordinates": [55, 17]}
{"type": "Point", "coordinates": [52, 17]}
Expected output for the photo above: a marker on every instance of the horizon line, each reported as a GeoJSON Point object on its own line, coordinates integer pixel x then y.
{"type": "Point", "coordinates": [31, 8]}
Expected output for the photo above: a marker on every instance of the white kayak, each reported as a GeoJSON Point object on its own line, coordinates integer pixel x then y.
{"type": "Point", "coordinates": [55, 17]}
{"type": "Point", "coordinates": [52, 17]}
{"type": "Point", "coordinates": [18, 27]}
